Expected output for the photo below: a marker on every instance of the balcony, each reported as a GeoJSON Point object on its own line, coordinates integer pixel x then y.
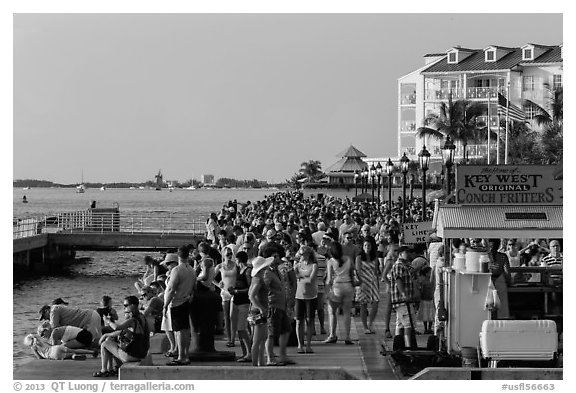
{"type": "Point", "coordinates": [474, 151]}
{"type": "Point", "coordinates": [483, 92]}
{"type": "Point", "coordinates": [443, 94]}
{"type": "Point", "coordinates": [408, 99]}
{"type": "Point", "coordinates": [408, 126]}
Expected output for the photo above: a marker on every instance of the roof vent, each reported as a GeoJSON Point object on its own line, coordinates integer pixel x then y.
{"type": "Point", "coordinates": [525, 216]}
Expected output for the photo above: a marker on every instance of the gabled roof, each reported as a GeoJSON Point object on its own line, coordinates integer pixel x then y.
{"type": "Point", "coordinates": [476, 61]}
{"type": "Point", "coordinates": [347, 164]}
{"type": "Point", "coordinates": [551, 56]}
{"type": "Point", "coordinates": [500, 47]}
{"type": "Point", "coordinates": [462, 49]}
{"type": "Point", "coordinates": [351, 152]}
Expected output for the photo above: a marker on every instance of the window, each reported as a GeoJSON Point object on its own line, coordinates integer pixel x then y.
{"type": "Point", "coordinates": [527, 54]}
{"type": "Point", "coordinates": [529, 111]}
{"type": "Point", "coordinates": [527, 83]}
{"type": "Point", "coordinates": [556, 81]}
{"type": "Point", "coordinates": [490, 55]}
{"type": "Point", "coordinates": [452, 57]}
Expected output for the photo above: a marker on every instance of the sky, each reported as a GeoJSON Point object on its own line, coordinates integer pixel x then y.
{"type": "Point", "coordinates": [116, 97]}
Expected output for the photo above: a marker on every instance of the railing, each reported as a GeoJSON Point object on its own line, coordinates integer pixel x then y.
{"type": "Point", "coordinates": [163, 222]}
{"type": "Point", "coordinates": [484, 92]}
{"type": "Point", "coordinates": [443, 94]}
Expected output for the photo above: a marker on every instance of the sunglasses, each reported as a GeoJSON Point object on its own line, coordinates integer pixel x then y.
{"type": "Point", "coordinates": [127, 304]}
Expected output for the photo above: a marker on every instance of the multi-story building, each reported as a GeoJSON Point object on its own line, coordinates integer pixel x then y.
{"type": "Point", "coordinates": [478, 75]}
{"type": "Point", "coordinates": [207, 179]}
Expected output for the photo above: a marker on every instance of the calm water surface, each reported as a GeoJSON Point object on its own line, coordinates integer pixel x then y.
{"type": "Point", "coordinates": [103, 273]}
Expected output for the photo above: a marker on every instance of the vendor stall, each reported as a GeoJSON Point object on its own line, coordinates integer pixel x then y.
{"type": "Point", "coordinates": [498, 202]}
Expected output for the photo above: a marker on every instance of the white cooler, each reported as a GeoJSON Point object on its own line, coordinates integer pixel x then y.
{"type": "Point", "coordinates": [519, 340]}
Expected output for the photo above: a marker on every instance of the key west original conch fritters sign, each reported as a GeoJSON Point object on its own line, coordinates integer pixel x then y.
{"type": "Point", "coordinates": [507, 185]}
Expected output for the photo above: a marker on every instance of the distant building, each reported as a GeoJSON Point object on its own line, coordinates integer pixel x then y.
{"type": "Point", "coordinates": [342, 171]}
{"type": "Point", "coordinates": [207, 179]}
{"type": "Point", "coordinates": [475, 75]}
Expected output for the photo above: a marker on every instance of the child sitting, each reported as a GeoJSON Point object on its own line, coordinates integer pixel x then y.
{"type": "Point", "coordinates": [106, 309]}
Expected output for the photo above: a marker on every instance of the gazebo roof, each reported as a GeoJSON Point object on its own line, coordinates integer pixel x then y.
{"type": "Point", "coordinates": [352, 152]}
{"type": "Point", "coordinates": [347, 164]}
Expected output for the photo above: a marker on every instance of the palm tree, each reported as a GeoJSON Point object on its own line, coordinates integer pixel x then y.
{"type": "Point", "coordinates": [457, 120]}
{"type": "Point", "coordinates": [552, 119]}
{"type": "Point", "coordinates": [311, 169]}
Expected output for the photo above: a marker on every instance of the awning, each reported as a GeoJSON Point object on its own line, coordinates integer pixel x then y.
{"type": "Point", "coordinates": [457, 221]}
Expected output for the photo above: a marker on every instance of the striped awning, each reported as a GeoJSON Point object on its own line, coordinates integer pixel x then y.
{"type": "Point", "coordinates": [457, 221]}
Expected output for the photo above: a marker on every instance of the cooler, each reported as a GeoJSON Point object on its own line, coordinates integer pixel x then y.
{"type": "Point", "coordinates": [519, 340]}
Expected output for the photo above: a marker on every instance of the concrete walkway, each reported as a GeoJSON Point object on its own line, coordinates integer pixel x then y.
{"type": "Point", "coordinates": [361, 361]}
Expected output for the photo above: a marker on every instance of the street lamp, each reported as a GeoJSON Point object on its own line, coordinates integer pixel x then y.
{"type": "Point", "coordinates": [355, 182]}
{"type": "Point", "coordinates": [389, 172]}
{"type": "Point", "coordinates": [364, 175]}
{"type": "Point", "coordinates": [448, 157]}
{"type": "Point", "coordinates": [424, 158]}
{"type": "Point", "coordinates": [404, 161]}
{"type": "Point", "coordinates": [378, 175]}
{"type": "Point", "coordinates": [372, 175]}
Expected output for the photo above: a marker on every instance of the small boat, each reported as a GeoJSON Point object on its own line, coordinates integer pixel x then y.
{"type": "Point", "coordinates": [132, 188]}
{"type": "Point", "coordinates": [26, 188]}
{"type": "Point", "coordinates": [81, 188]}
{"type": "Point", "coordinates": [190, 188]}
{"type": "Point", "coordinates": [24, 200]}
{"type": "Point", "coordinates": [141, 188]}
{"type": "Point", "coordinates": [103, 188]}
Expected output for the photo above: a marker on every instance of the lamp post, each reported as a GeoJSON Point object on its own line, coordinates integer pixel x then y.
{"type": "Point", "coordinates": [363, 180]}
{"type": "Point", "coordinates": [372, 176]}
{"type": "Point", "coordinates": [355, 182]}
{"type": "Point", "coordinates": [378, 175]}
{"type": "Point", "coordinates": [424, 158]}
{"type": "Point", "coordinates": [404, 161]}
{"type": "Point", "coordinates": [448, 157]}
{"type": "Point", "coordinates": [389, 171]}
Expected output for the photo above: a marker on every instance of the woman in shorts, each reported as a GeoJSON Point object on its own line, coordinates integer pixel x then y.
{"type": "Point", "coordinates": [306, 296]}
{"type": "Point", "coordinates": [341, 291]}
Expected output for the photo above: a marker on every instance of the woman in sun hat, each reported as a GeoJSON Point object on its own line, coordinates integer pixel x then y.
{"type": "Point", "coordinates": [258, 295]}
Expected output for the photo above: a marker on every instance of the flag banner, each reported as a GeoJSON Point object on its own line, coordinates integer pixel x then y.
{"type": "Point", "coordinates": [515, 113]}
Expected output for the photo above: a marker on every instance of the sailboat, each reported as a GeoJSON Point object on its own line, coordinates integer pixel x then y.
{"type": "Point", "coordinates": [159, 181]}
{"type": "Point", "coordinates": [81, 188]}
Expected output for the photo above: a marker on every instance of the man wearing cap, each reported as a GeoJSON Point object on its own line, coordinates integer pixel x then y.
{"type": "Point", "coordinates": [61, 315]}
{"type": "Point", "coordinates": [401, 291]}
{"type": "Point", "coordinates": [177, 299]}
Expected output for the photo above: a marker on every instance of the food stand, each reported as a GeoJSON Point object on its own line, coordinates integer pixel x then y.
{"type": "Point", "coordinates": [498, 202]}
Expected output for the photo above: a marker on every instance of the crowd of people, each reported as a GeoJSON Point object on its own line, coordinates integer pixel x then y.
{"type": "Point", "coordinates": [275, 266]}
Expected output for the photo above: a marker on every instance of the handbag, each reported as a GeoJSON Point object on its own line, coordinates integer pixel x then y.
{"type": "Point", "coordinates": [133, 343]}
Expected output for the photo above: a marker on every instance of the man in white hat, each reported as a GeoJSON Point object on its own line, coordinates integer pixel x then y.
{"type": "Point", "coordinates": [258, 295]}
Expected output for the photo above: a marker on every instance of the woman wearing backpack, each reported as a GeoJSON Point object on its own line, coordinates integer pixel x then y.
{"type": "Point", "coordinates": [129, 342]}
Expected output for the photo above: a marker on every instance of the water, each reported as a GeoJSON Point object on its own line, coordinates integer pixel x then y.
{"type": "Point", "coordinates": [104, 273]}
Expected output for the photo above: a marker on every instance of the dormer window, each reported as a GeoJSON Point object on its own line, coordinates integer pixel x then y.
{"type": "Point", "coordinates": [490, 55]}
{"type": "Point", "coordinates": [528, 54]}
{"type": "Point", "coordinates": [452, 58]}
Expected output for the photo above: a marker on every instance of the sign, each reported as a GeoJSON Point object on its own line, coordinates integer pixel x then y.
{"type": "Point", "coordinates": [507, 185]}
{"type": "Point", "coordinates": [416, 232]}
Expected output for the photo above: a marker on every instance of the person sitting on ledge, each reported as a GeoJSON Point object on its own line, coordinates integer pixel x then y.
{"type": "Point", "coordinates": [129, 342]}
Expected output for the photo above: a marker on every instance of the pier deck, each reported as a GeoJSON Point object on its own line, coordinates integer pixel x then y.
{"type": "Point", "coordinates": [361, 361]}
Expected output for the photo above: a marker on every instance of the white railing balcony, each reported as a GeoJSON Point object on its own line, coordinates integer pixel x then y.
{"type": "Point", "coordinates": [443, 94]}
{"type": "Point", "coordinates": [484, 92]}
